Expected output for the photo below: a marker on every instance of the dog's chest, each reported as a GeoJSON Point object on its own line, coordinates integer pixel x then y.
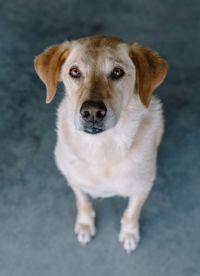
{"type": "Point", "coordinates": [104, 179]}
{"type": "Point", "coordinates": [100, 181]}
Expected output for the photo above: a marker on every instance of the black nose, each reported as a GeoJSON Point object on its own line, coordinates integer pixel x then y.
{"type": "Point", "coordinates": [92, 111]}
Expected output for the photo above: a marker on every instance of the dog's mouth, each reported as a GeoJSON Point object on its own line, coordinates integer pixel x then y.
{"type": "Point", "coordinates": [93, 130]}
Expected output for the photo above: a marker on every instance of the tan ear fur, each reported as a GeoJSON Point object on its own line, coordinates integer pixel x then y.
{"type": "Point", "coordinates": [48, 65]}
{"type": "Point", "coordinates": [151, 70]}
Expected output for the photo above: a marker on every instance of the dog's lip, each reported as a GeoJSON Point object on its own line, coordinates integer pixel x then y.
{"type": "Point", "coordinates": [93, 130]}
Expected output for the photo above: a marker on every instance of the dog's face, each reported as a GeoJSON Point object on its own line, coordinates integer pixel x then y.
{"type": "Point", "coordinates": [99, 78]}
{"type": "Point", "coordinates": [101, 75]}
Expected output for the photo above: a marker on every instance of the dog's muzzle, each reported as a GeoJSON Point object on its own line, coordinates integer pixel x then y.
{"type": "Point", "coordinates": [93, 115]}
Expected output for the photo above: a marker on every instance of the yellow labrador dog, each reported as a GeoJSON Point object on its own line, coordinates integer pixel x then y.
{"type": "Point", "coordinates": [109, 125]}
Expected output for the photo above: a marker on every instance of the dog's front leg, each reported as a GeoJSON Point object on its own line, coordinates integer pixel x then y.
{"type": "Point", "coordinates": [85, 220]}
{"type": "Point", "coordinates": [129, 234]}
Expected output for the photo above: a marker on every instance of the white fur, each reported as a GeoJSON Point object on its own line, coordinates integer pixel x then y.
{"type": "Point", "coordinates": [119, 161]}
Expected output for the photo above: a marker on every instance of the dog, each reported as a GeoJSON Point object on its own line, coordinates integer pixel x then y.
{"type": "Point", "coordinates": [109, 125]}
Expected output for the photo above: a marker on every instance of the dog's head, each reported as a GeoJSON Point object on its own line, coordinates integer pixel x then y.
{"type": "Point", "coordinates": [101, 74]}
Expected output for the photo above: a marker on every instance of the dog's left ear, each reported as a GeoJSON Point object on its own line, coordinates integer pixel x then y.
{"type": "Point", "coordinates": [48, 65]}
{"type": "Point", "coordinates": [151, 70]}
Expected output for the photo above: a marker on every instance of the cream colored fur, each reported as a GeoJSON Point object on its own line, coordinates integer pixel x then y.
{"type": "Point", "coordinates": [120, 161]}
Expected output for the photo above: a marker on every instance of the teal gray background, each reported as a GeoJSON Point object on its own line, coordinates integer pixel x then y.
{"type": "Point", "coordinates": [37, 209]}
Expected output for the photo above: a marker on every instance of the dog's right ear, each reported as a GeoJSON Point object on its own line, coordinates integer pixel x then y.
{"type": "Point", "coordinates": [48, 65]}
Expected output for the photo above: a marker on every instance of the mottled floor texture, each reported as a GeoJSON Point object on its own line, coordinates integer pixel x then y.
{"type": "Point", "coordinates": [37, 209]}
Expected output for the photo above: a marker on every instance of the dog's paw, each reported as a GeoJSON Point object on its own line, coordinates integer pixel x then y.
{"type": "Point", "coordinates": [85, 229]}
{"type": "Point", "coordinates": [130, 238]}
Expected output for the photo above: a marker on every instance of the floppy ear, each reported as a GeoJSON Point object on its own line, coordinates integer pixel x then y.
{"type": "Point", "coordinates": [151, 70]}
{"type": "Point", "coordinates": [48, 65]}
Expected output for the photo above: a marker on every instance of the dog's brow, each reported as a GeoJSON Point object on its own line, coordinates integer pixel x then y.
{"type": "Point", "coordinates": [80, 61]}
{"type": "Point", "coordinates": [118, 62]}
{"type": "Point", "coordinates": [115, 59]}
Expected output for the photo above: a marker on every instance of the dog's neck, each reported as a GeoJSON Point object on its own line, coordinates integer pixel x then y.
{"type": "Point", "coordinates": [112, 144]}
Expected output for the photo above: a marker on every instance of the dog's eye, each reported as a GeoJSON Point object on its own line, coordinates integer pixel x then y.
{"type": "Point", "coordinates": [117, 73]}
{"type": "Point", "coordinates": [74, 72]}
